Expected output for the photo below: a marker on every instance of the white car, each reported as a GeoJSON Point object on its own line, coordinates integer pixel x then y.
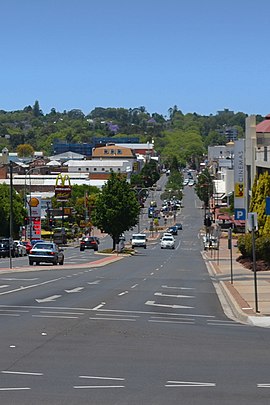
{"type": "Point", "coordinates": [167, 242]}
{"type": "Point", "coordinates": [21, 248]}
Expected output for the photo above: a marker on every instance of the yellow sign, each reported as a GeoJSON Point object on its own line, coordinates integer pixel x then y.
{"type": "Point", "coordinates": [239, 190]}
{"type": "Point", "coordinates": [62, 190]}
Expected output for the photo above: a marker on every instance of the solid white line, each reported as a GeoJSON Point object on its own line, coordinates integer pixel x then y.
{"type": "Point", "coordinates": [15, 389]}
{"type": "Point", "coordinates": [178, 288]}
{"type": "Point", "coordinates": [167, 318]}
{"type": "Point", "coordinates": [131, 316]}
{"type": "Point", "coordinates": [113, 319]}
{"type": "Point", "coordinates": [182, 322]}
{"type": "Point", "coordinates": [61, 313]}
{"type": "Point", "coordinates": [13, 310]}
{"type": "Point", "coordinates": [10, 315]}
{"type": "Point", "coordinates": [102, 378]}
{"type": "Point", "coordinates": [18, 279]}
{"type": "Point", "coordinates": [224, 324]}
{"type": "Point", "coordinates": [20, 372]}
{"type": "Point", "coordinates": [4, 285]}
{"type": "Point", "coordinates": [97, 386]}
{"type": "Point", "coordinates": [31, 286]}
{"type": "Point", "coordinates": [263, 385]}
{"type": "Point", "coordinates": [58, 317]}
{"type": "Point", "coordinates": [135, 285]}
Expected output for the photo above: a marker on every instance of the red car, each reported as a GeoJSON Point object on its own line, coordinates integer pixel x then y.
{"type": "Point", "coordinates": [28, 245]}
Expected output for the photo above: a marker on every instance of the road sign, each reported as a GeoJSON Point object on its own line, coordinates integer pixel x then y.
{"type": "Point", "coordinates": [252, 221]}
{"type": "Point", "coordinates": [240, 214]}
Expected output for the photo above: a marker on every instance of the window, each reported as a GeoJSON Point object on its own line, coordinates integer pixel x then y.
{"type": "Point", "coordinates": [112, 151]}
{"type": "Point", "coordinates": [119, 151]}
{"type": "Point", "coordinates": [95, 169]}
{"type": "Point", "coordinates": [103, 169]}
{"type": "Point", "coordinates": [106, 151]}
{"type": "Point", "coordinates": [79, 169]}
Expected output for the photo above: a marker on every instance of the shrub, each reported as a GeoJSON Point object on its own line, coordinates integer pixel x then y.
{"type": "Point", "coordinates": [245, 245]}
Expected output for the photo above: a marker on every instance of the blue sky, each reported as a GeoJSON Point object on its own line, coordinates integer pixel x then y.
{"type": "Point", "coordinates": [201, 55]}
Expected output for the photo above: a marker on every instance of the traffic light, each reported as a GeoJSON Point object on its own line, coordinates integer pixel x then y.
{"type": "Point", "coordinates": [50, 222]}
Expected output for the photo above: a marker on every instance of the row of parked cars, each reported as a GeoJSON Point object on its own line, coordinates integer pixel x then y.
{"type": "Point", "coordinates": [17, 248]}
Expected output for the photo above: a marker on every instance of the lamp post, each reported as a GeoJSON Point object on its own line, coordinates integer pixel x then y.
{"type": "Point", "coordinates": [11, 214]}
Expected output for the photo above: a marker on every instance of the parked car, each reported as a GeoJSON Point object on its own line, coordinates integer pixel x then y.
{"type": "Point", "coordinates": [89, 242]}
{"type": "Point", "coordinates": [167, 242]}
{"type": "Point", "coordinates": [21, 248]}
{"type": "Point", "coordinates": [5, 249]}
{"type": "Point", "coordinates": [173, 230]}
{"type": "Point", "coordinates": [27, 245]}
{"type": "Point", "coordinates": [46, 252]}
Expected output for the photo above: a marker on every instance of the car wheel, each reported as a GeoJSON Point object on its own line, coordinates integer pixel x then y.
{"type": "Point", "coordinates": [62, 262]}
{"type": "Point", "coordinates": [145, 247]}
{"type": "Point", "coordinates": [81, 249]}
{"type": "Point", "coordinates": [31, 263]}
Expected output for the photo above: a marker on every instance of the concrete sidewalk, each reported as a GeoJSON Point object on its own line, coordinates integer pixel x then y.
{"type": "Point", "coordinates": [236, 285]}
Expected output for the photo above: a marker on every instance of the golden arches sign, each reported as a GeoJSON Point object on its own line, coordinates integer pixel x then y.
{"type": "Point", "coordinates": [62, 187]}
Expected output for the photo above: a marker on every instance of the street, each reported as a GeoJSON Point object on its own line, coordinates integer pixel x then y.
{"type": "Point", "coordinates": [147, 329]}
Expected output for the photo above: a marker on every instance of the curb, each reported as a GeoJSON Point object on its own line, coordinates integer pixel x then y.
{"type": "Point", "coordinates": [233, 304]}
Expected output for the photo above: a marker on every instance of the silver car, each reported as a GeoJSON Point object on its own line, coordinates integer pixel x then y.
{"type": "Point", "coordinates": [46, 252]}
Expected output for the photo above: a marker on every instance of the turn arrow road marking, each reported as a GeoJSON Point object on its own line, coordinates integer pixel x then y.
{"type": "Point", "coordinates": [48, 299]}
{"type": "Point", "coordinates": [167, 306]}
{"type": "Point", "coordinates": [173, 295]}
{"type": "Point", "coordinates": [75, 290]}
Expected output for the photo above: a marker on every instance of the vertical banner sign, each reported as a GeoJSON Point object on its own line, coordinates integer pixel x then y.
{"type": "Point", "coordinates": [239, 180]}
{"type": "Point", "coordinates": [62, 187]}
{"type": "Point", "coordinates": [34, 215]}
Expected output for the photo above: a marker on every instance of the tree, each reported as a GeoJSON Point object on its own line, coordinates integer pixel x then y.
{"type": "Point", "coordinates": [117, 208]}
{"type": "Point", "coordinates": [19, 211]}
{"type": "Point", "coordinates": [25, 150]}
{"type": "Point", "coordinates": [204, 187]}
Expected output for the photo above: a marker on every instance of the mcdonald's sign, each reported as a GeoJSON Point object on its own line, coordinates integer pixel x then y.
{"type": "Point", "coordinates": [62, 188]}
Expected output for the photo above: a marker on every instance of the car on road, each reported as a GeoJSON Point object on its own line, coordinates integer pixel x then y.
{"type": "Point", "coordinates": [179, 226]}
{"type": "Point", "coordinates": [46, 252]}
{"type": "Point", "coordinates": [6, 249]}
{"type": "Point", "coordinates": [21, 248]}
{"type": "Point", "coordinates": [138, 240]}
{"type": "Point", "coordinates": [167, 242]}
{"type": "Point", "coordinates": [34, 241]}
{"type": "Point", "coordinates": [173, 230]}
{"type": "Point", "coordinates": [89, 242]}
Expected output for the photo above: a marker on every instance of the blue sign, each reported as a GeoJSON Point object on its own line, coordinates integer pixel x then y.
{"type": "Point", "coordinates": [267, 206]}
{"type": "Point", "coordinates": [240, 214]}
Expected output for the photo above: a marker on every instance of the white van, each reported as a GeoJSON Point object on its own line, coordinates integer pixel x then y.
{"type": "Point", "coordinates": [138, 240]}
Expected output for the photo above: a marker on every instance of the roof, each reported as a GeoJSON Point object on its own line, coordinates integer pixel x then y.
{"type": "Point", "coordinates": [67, 156]}
{"type": "Point", "coordinates": [96, 163]}
{"type": "Point", "coordinates": [113, 151]}
{"type": "Point", "coordinates": [264, 126]}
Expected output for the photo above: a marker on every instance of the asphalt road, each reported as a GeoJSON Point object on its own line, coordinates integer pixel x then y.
{"type": "Point", "coordinates": [148, 329]}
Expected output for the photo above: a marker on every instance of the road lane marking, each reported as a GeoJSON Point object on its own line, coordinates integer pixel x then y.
{"type": "Point", "coordinates": [99, 306]}
{"type": "Point", "coordinates": [178, 288]}
{"type": "Point", "coordinates": [113, 319]}
{"type": "Point", "coordinates": [134, 286]}
{"type": "Point", "coordinates": [31, 286]}
{"type": "Point", "coordinates": [97, 386]}
{"type": "Point", "coordinates": [102, 378]}
{"type": "Point", "coordinates": [123, 293]}
{"type": "Point", "coordinates": [174, 322]}
{"type": "Point", "coordinates": [58, 317]}
{"type": "Point", "coordinates": [167, 306]}
{"type": "Point", "coordinates": [75, 290]}
{"type": "Point", "coordinates": [61, 313]}
{"type": "Point", "coordinates": [131, 316]}
{"type": "Point", "coordinates": [15, 389]}
{"type": "Point", "coordinates": [4, 285]}
{"type": "Point", "coordinates": [20, 372]}
{"type": "Point", "coordinates": [94, 282]}
{"type": "Point", "coordinates": [173, 295]}
{"type": "Point", "coordinates": [52, 298]}
{"type": "Point", "coordinates": [171, 384]}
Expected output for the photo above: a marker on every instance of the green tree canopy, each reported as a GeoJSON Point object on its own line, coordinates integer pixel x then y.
{"type": "Point", "coordinates": [117, 208]}
{"type": "Point", "coordinates": [19, 212]}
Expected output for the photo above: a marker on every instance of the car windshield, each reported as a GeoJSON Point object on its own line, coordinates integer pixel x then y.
{"type": "Point", "coordinates": [45, 246]}
{"type": "Point", "coordinates": [141, 237]}
{"type": "Point", "coordinates": [167, 239]}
